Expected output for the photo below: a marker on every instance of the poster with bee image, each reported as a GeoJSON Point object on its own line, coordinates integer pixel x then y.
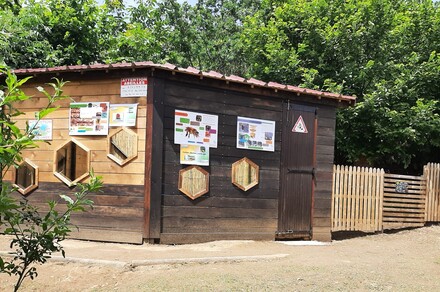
{"type": "Point", "coordinates": [191, 128]}
{"type": "Point", "coordinates": [88, 118]}
{"type": "Point", "coordinates": [255, 134]}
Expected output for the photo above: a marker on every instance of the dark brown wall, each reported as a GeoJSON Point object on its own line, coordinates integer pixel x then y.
{"type": "Point", "coordinates": [225, 212]}
{"type": "Point", "coordinates": [117, 214]}
{"type": "Point", "coordinates": [324, 160]}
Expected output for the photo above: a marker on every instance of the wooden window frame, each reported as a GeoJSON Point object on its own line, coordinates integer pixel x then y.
{"type": "Point", "coordinates": [63, 178]}
{"type": "Point", "coordinates": [29, 189]}
{"type": "Point", "coordinates": [110, 144]}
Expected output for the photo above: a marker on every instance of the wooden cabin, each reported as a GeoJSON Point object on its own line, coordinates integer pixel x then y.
{"type": "Point", "coordinates": [186, 156]}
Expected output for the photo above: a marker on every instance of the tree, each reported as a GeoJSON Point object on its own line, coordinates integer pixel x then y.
{"type": "Point", "coordinates": [23, 42]}
{"type": "Point", "coordinates": [35, 236]}
{"type": "Point", "coordinates": [378, 50]}
{"type": "Point", "coordinates": [185, 35]}
{"type": "Point", "coordinates": [54, 32]}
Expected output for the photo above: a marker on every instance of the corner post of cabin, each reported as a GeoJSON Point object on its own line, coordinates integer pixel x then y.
{"type": "Point", "coordinates": [325, 140]}
{"type": "Point", "coordinates": [153, 160]}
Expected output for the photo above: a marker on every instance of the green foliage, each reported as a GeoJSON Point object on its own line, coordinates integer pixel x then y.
{"type": "Point", "coordinates": [382, 51]}
{"type": "Point", "coordinates": [35, 236]}
{"type": "Point", "coordinates": [52, 32]}
{"type": "Point", "coordinates": [166, 31]}
{"type": "Point", "coordinates": [12, 140]}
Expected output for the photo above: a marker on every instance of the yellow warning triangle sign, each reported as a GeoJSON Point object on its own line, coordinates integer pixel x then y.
{"type": "Point", "coordinates": [300, 126]}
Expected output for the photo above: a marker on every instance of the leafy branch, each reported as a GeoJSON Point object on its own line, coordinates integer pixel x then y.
{"type": "Point", "coordinates": [35, 235]}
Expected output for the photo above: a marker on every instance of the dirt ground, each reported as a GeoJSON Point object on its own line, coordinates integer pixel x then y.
{"type": "Point", "coordinates": [405, 261]}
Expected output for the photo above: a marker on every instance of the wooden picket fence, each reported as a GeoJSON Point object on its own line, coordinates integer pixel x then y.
{"type": "Point", "coordinates": [432, 174]}
{"type": "Point", "coordinates": [357, 198]}
{"type": "Point", "coordinates": [366, 199]}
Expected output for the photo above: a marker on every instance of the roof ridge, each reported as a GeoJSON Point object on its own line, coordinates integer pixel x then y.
{"type": "Point", "coordinates": [189, 70]}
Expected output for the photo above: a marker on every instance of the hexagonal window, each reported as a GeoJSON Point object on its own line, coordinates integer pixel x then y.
{"type": "Point", "coordinates": [72, 162]}
{"type": "Point", "coordinates": [245, 174]}
{"type": "Point", "coordinates": [193, 181]}
{"type": "Point", "coordinates": [123, 146]}
{"type": "Point", "coordinates": [26, 177]}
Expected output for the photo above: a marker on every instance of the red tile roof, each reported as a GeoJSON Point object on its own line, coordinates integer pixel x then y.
{"type": "Point", "coordinates": [190, 70]}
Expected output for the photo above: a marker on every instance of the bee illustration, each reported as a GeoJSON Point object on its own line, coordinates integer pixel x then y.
{"type": "Point", "coordinates": [191, 131]}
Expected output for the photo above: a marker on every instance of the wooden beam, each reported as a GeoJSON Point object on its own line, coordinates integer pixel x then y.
{"type": "Point", "coordinates": [153, 159]}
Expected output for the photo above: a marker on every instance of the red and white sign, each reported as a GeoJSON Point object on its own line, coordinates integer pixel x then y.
{"type": "Point", "coordinates": [300, 126]}
{"type": "Point", "coordinates": [134, 87]}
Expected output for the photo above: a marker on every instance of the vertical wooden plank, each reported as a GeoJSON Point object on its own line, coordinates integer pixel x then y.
{"type": "Point", "coordinates": [431, 192]}
{"type": "Point", "coordinates": [353, 200]}
{"type": "Point", "coordinates": [357, 197]}
{"type": "Point", "coordinates": [374, 200]}
{"type": "Point", "coordinates": [429, 172]}
{"type": "Point", "coordinates": [382, 178]}
{"type": "Point", "coordinates": [333, 216]}
{"type": "Point", "coordinates": [361, 198]}
{"type": "Point", "coordinates": [370, 198]}
{"type": "Point", "coordinates": [436, 192]}
{"type": "Point", "coordinates": [153, 159]}
{"type": "Point", "coordinates": [340, 190]}
{"type": "Point", "coordinates": [344, 194]}
{"type": "Point", "coordinates": [377, 199]}
{"type": "Point", "coordinates": [426, 175]}
{"type": "Point", "coordinates": [349, 187]}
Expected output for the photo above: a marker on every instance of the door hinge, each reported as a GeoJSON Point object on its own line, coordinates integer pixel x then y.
{"type": "Point", "coordinates": [304, 171]}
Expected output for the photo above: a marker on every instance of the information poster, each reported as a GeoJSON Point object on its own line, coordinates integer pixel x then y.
{"type": "Point", "coordinates": [255, 134]}
{"type": "Point", "coordinates": [123, 115]}
{"type": "Point", "coordinates": [194, 155]}
{"type": "Point", "coordinates": [195, 128]}
{"type": "Point", "coordinates": [134, 87]}
{"type": "Point", "coordinates": [88, 118]}
{"type": "Point", "coordinates": [42, 130]}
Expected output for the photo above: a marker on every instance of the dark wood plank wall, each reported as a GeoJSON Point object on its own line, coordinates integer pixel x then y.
{"type": "Point", "coordinates": [225, 212]}
{"type": "Point", "coordinates": [324, 159]}
{"type": "Point", "coordinates": [117, 214]}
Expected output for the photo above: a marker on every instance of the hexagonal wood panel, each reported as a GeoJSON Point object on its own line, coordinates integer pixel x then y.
{"type": "Point", "coordinates": [193, 181]}
{"type": "Point", "coordinates": [245, 174]}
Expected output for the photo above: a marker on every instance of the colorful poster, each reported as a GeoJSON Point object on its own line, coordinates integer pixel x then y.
{"type": "Point", "coordinates": [134, 87]}
{"type": "Point", "coordinates": [195, 128]}
{"type": "Point", "coordinates": [88, 118]}
{"type": "Point", "coordinates": [42, 130]}
{"type": "Point", "coordinates": [255, 134]}
{"type": "Point", "coordinates": [194, 155]}
{"type": "Point", "coordinates": [123, 115]}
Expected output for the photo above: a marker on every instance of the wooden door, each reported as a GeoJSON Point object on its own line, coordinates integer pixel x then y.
{"type": "Point", "coordinates": [297, 171]}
